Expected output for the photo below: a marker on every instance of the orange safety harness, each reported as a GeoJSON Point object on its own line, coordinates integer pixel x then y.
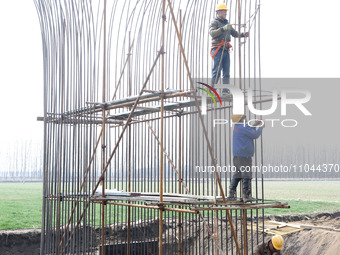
{"type": "Point", "coordinates": [219, 45]}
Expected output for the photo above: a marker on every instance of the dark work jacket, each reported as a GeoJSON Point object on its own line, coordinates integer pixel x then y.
{"type": "Point", "coordinates": [218, 33]}
{"type": "Point", "coordinates": [243, 139]}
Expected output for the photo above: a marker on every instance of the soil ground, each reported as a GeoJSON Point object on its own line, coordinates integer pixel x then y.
{"type": "Point", "coordinates": [314, 241]}
{"type": "Point", "coordinates": [311, 241]}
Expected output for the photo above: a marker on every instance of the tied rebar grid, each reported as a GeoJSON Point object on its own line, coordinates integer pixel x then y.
{"type": "Point", "coordinates": [120, 111]}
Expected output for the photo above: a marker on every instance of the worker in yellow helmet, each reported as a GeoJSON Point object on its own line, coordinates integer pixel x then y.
{"type": "Point", "coordinates": [272, 247]}
{"type": "Point", "coordinates": [221, 32]}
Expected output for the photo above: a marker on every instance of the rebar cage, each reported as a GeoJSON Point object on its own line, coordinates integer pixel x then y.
{"type": "Point", "coordinates": [124, 133]}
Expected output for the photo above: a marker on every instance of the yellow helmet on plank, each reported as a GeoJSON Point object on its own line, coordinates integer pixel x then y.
{"type": "Point", "coordinates": [277, 242]}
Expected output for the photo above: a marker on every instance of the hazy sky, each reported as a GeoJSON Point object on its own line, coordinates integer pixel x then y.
{"type": "Point", "coordinates": [298, 39]}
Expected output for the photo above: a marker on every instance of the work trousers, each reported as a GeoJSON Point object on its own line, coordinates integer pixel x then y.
{"type": "Point", "coordinates": [224, 66]}
{"type": "Point", "coordinates": [243, 171]}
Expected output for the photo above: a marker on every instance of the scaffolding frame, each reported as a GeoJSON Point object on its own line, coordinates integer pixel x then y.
{"type": "Point", "coordinates": [85, 143]}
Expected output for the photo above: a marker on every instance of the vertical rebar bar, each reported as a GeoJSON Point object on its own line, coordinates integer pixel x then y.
{"type": "Point", "coordinates": [129, 160]}
{"type": "Point", "coordinates": [180, 143]}
{"type": "Point", "coordinates": [161, 161]}
{"type": "Point", "coordinates": [61, 135]}
{"type": "Point", "coordinates": [103, 136]}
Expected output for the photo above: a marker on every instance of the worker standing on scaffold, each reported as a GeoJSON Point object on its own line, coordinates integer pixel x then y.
{"type": "Point", "coordinates": [221, 33]}
{"type": "Point", "coordinates": [243, 151]}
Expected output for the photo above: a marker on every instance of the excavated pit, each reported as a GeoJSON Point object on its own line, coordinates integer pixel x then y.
{"type": "Point", "coordinates": [311, 241]}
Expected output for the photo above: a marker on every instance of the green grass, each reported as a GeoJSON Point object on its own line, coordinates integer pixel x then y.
{"type": "Point", "coordinates": [20, 204]}
{"type": "Point", "coordinates": [303, 196]}
{"type": "Point", "coordinates": [326, 191]}
{"type": "Point", "coordinates": [304, 207]}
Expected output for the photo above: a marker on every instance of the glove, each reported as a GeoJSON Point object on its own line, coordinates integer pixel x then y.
{"type": "Point", "coordinates": [225, 27]}
{"type": "Point", "coordinates": [246, 34]}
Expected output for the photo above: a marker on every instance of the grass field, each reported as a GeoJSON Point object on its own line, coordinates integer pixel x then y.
{"type": "Point", "coordinates": [20, 203]}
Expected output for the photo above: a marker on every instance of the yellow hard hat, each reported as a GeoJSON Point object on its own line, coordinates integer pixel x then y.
{"type": "Point", "coordinates": [221, 7]}
{"type": "Point", "coordinates": [277, 242]}
{"type": "Point", "coordinates": [236, 117]}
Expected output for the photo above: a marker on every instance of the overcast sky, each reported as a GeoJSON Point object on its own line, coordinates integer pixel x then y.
{"type": "Point", "coordinates": [298, 39]}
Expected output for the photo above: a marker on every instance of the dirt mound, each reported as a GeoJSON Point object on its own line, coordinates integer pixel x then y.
{"type": "Point", "coordinates": [23, 242]}
{"type": "Point", "coordinates": [314, 241]}
{"type": "Point", "coordinates": [325, 216]}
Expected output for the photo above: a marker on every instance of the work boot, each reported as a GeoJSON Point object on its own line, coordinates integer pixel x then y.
{"type": "Point", "coordinates": [232, 195]}
{"type": "Point", "coordinates": [225, 92]}
{"type": "Point", "coordinates": [247, 196]}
